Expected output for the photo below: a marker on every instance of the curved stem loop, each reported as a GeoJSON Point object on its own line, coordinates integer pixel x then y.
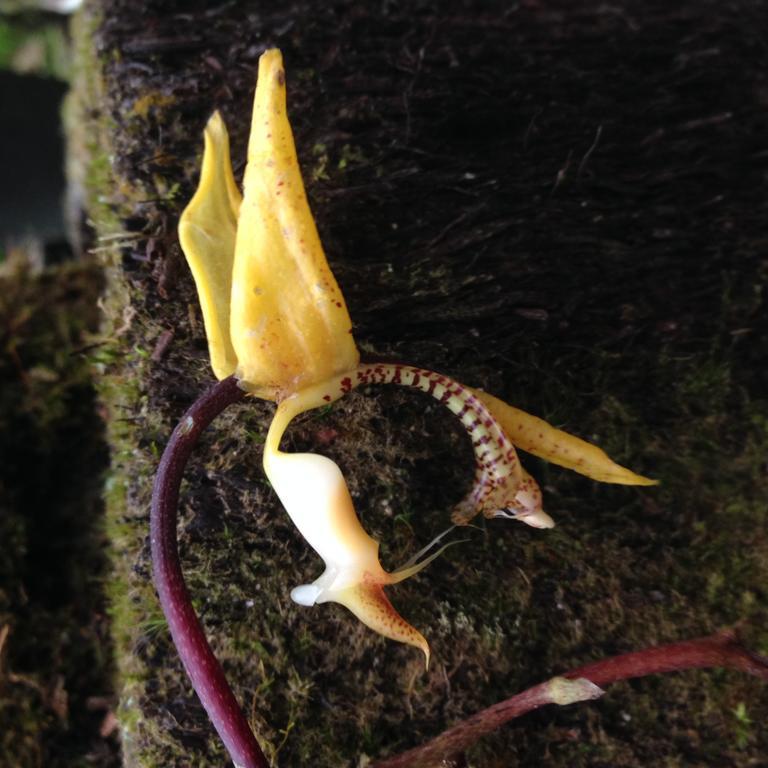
{"type": "Point", "coordinates": [202, 666]}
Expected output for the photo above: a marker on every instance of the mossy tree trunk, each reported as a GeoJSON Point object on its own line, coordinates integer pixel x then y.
{"type": "Point", "coordinates": [561, 203]}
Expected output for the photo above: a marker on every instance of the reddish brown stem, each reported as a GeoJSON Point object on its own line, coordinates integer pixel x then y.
{"type": "Point", "coordinates": [720, 650]}
{"type": "Point", "coordinates": [202, 666]}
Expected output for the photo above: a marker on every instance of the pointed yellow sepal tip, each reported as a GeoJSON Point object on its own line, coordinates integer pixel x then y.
{"type": "Point", "coordinates": [536, 436]}
{"type": "Point", "coordinates": [369, 603]}
{"type": "Point", "coordinates": [273, 312]}
{"type": "Point", "coordinates": [207, 232]}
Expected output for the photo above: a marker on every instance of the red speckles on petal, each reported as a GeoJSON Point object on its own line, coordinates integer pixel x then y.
{"type": "Point", "coordinates": [369, 603]}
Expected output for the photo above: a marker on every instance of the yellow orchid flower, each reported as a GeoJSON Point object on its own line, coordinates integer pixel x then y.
{"type": "Point", "coordinates": [275, 318]}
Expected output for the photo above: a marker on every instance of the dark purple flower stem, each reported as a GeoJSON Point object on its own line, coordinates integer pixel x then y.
{"type": "Point", "coordinates": [722, 649]}
{"type": "Point", "coordinates": [202, 666]}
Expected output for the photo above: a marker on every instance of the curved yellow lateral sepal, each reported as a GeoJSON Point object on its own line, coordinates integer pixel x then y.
{"type": "Point", "coordinates": [289, 323]}
{"type": "Point", "coordinates": [207, 232]}
{"type": "Point", "coordinates": [536, 436]}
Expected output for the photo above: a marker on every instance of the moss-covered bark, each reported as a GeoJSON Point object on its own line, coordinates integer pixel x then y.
{"type": "Point", "coordinates": [562, 204]}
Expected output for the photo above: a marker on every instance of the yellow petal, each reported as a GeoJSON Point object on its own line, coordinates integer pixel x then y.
{"type": "Point", "coordinates": [541, 439]}
{"type": "Point", "coordinates": [369, 603]}
{"type": "Point", "coordinates": [207, 231]}
{"type": "Point", "coordinates": [289, 325]}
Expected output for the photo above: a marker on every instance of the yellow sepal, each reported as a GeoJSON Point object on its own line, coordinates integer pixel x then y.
{"type": "Point", "coordinates": [536, 436]}
{"type": "Point", "coordinates": [207, 230]}
{"type": "Point", "coordinates": [289, 323]}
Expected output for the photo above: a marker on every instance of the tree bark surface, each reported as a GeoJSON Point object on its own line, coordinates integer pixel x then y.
{"type": "Point", "coordinates": [562, 203]}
